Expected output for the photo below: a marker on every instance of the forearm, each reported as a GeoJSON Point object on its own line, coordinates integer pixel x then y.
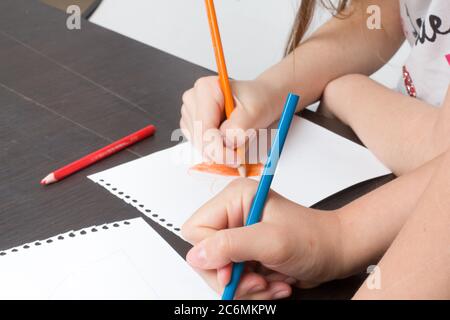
{"type": "Point", "coordinates": [340, 47]}
{"type": "Point", "coordinates": [369, 224]}
{"type": "Point", "coordinates": [416, 266]}
{"type": "Point", "coordinates": [403, 132]}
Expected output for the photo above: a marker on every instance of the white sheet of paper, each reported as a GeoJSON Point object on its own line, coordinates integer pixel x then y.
{"type": "Point", "coordinates": [315, 164]}
{"type": "Point", "coordinates": [127, 262]}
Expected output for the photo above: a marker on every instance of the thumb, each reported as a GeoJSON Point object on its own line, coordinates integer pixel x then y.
{"type": "Point", "coordinates": [253, 243]}
{"type": "Point", "coordinates": [239, 128]}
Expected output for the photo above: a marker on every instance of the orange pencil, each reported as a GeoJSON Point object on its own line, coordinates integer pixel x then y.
{"type": "Point", "coordinates": [222, 69]}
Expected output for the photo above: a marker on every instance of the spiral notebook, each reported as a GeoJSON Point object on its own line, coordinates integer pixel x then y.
{"type": "Point", "coordinates": [121, 260]}
{"type": "Point", "coordinates": [315, 164]}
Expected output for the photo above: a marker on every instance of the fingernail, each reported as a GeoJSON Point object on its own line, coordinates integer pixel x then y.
{"type": "Point", "coordinates": [281, 294]}
{"type": "Point", "coordinates": [197, 256]}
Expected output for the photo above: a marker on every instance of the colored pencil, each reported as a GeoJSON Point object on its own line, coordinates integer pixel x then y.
{"type": "Point", "coordinates": [262, 192]}
{"type": "Point", "coordinates": [222, 70]}
{"type": "Point", "coordinates": [98, 155]}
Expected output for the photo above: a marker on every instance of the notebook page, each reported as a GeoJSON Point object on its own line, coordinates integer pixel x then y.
{"type": "Point", "coordinates": [122, 260]}
{"type": "Point", "coordinates": [315, 164]}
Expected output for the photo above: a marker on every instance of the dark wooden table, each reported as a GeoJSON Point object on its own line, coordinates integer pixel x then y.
{"type": "Point", "coordinates": [64, 93]}
{"type": "Point", "coordinates": [87, 6]}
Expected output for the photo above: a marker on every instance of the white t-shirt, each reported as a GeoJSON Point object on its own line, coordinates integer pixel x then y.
{"type": "Point", "coordinates": [426, 74]}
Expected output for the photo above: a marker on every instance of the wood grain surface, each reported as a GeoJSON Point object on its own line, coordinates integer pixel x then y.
{"type": "Point", "coordinates": [86, 6]}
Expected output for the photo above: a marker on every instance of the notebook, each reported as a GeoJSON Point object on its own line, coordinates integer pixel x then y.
{"type": "Point", "coordinates": [315, 164]}
{"type": "Point", "coordinates": [121, 260]}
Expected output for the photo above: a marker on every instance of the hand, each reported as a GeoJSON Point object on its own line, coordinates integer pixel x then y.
{"type": "Point", "coordinates": [291, 245]}
{"type": "Point", "coordinates": [203, 105]}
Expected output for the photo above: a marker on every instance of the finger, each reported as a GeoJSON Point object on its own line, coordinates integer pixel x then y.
{"type": "Point", "coordinates": [184, 126]}
{"type": "Point", "coordinates": [209, 142]}
{"type": "Point", "coordinates": [274, 291]}
{"type": "Point", "coordinates": [271, 275]}
{"type": "Point", "coordinates": [251, 285]}
{"type": "Point", "coordinates": [215, 150]}
{"type": "Point", "coordinates": [188, 97]}
{"type": "Point", "coordinates": [259, 242]}
{"type": "Point", "coordinates": [209, 109]}
{"type": "Point", "coordinates": [209, 102]}
{"type": "Point", "coordinates": [186, 116]}
{"type": "Point", "coordinates": [224, 275]}
{"type": "Point", "coordinates": [195, 126]}
{"type": "Point", "coordinates": [202, 111]}
{"type": "Point", "coordinates": [238, 129]}
{"type": "Point", "coordinates": [277, 276]}
{"type": "Point", "coordinates": [250, 282]}
{"type": "Point", "coordinates": [228, 209]}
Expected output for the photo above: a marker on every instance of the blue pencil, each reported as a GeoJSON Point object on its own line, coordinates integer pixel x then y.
{"type": "Point", "coordinates": [264, 186]}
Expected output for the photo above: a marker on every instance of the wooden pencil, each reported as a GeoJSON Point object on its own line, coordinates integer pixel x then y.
{"type": "Point", "coordinates": [223, 73]}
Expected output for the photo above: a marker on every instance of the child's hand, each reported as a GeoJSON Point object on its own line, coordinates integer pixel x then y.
{"type": "Point", "coordinates": [292, 244]}
{"type": "Point", "coordinates": [203, 111]}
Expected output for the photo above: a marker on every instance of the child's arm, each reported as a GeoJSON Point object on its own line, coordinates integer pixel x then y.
{"type": "Point", "coordinates": [340, 47]}
{"type": "Point", "coordinates": [370, 223]}
{"type": "Point", "coordinates": [416, 266]}
{"type": "Point", "coordinates": [403, 132]}
{"type": "Point", "coordinates": [311, 246]}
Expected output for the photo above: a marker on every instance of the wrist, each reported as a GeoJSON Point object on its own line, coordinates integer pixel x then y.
{"type": "Point", "coordinates": [330, 246]}
{"type": "Point", "coordinates": [271, 98]}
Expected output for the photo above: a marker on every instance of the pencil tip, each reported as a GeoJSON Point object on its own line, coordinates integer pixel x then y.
{"type": "Point", "coordinates": [48, 179]}
{"type": "Point", "coordinates": [242, 171]}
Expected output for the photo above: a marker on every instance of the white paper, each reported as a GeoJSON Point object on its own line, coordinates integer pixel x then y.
{"type": "Point", "coordinates": [315, 164]}
{"type": "Point", "coordinates": [130, 261]}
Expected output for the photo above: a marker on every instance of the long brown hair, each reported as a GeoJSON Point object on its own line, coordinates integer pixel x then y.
{"type": "Point", "coordinates": [304, 18]}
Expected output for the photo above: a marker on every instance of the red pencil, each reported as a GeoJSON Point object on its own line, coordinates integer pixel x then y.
{"type": "Point", "coordinates": [98, 155]}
